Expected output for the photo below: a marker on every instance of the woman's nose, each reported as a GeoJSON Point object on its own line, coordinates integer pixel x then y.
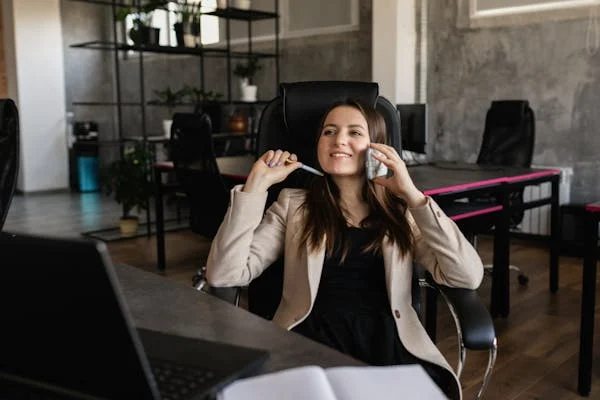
{"type": "Point", "coordinates": [341, 138]}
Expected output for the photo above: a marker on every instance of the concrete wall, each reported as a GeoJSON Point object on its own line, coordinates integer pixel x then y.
{"type": "Point", "coordinates": [547, 63]}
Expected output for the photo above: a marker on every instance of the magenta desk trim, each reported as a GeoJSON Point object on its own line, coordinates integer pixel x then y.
{"type": "Point", "coordinates": [476, 213]}
{"type": "Point", "coordinates": [594, 207]}
{"type": "Point", "coordinates": [464, 186]}
{"type": "Point", "coordinates": [532, 175]}
{"type": "Point", "coordinates": [504, 179]}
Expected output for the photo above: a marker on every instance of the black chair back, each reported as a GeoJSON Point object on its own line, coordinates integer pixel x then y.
{"type": "Point", "coordinates": [291, 122]}
{"type": "Point", "coordinates": [509, 134]}
{"type": "Point", "coordinates": [197, 172]}
{"type": "Point", "coordinates": [508, 140]}
{"type": "Point", "coordinates": [9, 154]}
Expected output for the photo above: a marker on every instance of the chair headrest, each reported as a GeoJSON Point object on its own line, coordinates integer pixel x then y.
{"type": "Point", "coordinates": [508, 112]}
{"type": "Point", "coordinates": [304, 103]}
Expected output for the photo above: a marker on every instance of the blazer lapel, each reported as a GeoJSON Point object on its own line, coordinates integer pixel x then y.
{"type": "Point", "coordinates": [390, 253]}
{"type": "Point", "coordinates": [314, 268]}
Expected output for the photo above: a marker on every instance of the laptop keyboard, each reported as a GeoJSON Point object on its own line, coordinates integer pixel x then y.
{"type": "Point", "coordinates": [176, 382]}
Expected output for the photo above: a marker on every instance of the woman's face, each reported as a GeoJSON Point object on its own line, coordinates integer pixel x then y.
{"type": "Point", "coordinates": [343, 142]}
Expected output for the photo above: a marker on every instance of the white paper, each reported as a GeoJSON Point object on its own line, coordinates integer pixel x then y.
{"type": "Point", "coordinates": [340, 383]}
{"type": "Point", "coordinates": [293, 384]}
{"type": "Point", "coordinates": [394, 382]}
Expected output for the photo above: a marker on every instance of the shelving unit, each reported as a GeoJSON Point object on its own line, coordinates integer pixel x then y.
{"type": "Point", "coordinates": [117, 48]}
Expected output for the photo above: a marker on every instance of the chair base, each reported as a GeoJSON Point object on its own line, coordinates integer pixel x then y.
{"type": "Point", "coordinates": [522, 278]}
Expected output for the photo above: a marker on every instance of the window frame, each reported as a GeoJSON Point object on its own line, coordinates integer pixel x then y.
{"type": "Point", "coordinates": [552, 10]}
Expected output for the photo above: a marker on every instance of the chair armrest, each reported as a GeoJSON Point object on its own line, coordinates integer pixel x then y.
{"type": "Point", "coordinates": [229, 294]}
{"type": "Point", "coordinates": [473, 316]}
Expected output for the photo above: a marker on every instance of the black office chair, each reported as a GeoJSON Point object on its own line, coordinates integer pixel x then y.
{"type": "Point", "coordinates": [291, 121]}
{"type": "Point", "coordinates": [9, 155]}
{"type": "Point", "coordinates": [197, 173]}
{"type": "Point", "coordinates": [508, 140]}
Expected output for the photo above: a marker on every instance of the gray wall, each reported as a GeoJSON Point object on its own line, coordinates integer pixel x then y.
{"type": "Point", "coordinates": [90, 76]}
{"type": "Point", "coordinates": [547, 63]}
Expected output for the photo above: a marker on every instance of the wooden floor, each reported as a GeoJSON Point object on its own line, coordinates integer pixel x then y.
{"type": "Point", "coordinates": [538, 342]}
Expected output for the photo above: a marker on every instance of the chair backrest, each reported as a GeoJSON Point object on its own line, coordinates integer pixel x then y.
{"type": "Point", "coordinates": [291, 122]}
{"type": "Point", "coordinates": [509, 134]}
{"type": "Point", "coordinates": [9, 154]}
{"type": "Point", "coordinates": [509, 139]}
{"type": "Point", "coordinates": [197, 173]}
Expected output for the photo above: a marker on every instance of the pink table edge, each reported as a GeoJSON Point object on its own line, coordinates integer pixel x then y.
{"type": "Point", "coordinates": [594, 207]}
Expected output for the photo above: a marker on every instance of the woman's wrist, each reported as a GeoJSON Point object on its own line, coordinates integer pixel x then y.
{"type": "Point", "coordinates": [415, 199]}
{"type": "Point", "coordinates": [255, 184]}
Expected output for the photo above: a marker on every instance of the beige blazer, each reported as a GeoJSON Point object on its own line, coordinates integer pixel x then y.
{"type": "Point", "coordinates": [248, 242]}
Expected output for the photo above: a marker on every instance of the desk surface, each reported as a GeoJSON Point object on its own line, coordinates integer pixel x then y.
{"type": "Point", "coordinates": [594, 207]}
{"type": "Point", "coordinates": [159, 304]}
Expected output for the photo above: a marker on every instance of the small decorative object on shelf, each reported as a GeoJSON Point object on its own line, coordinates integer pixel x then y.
{"type": "Point", "coordinates": [246, 72]}
{"type": "Point", "coordinates": [243, 4]}
{"type": "Point", "coordinates": [238, 123]}
{"type": "Point", "coordinates": [129, 181]}
{"type": "Point", "coordinates": [142, 32]}
{"type": "Point", "coordinates": [187, 30]}
{"type": "Point", "coordinates": [170, 99]}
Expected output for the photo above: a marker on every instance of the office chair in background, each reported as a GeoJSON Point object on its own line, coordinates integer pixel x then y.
{"type": "Point", "coordinates": [291, 122]}
{"type": "Point", "coordinates": [9, 155]}
{"type": "Point", "coordinates": [508, 140]}
{"type": "Point", "coordinates": [197, 173]}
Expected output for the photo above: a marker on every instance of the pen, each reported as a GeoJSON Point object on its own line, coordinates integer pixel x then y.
{"type": "Point", "coordinates": [306, 168]}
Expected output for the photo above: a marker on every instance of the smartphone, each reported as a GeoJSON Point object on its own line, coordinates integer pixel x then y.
{"type": "Point", "coordinates": [374, 167]}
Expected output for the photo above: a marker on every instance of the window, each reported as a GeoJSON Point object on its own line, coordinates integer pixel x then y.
{"type": "Point", "coordinates": [297, 19]}
{"type": "Point", "coordinates": [489, 13]}
{"type": "Point", "coordinates": [164, 19]}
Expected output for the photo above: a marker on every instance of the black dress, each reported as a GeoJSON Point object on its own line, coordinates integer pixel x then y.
{"type": "Point", "coordinates": [352, 312]}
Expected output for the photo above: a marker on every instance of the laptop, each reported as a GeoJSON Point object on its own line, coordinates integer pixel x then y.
{"type": "Point", "coordinates": [66, 332]}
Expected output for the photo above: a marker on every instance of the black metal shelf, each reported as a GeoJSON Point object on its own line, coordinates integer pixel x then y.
{"type": "Point", "coordinates": [197, 51]}
{"type": "Point", "coordinates": [243, 15]}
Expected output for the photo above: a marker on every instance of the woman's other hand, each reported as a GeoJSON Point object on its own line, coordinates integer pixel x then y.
{"type": "Point", "coordinates": [400, 182]}
{"type": "Point", "coordinates": [269, 169]}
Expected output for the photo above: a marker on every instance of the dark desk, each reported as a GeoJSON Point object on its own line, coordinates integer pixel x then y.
{"type": "Point", "coordinates": [588, 299]}
{"type": "Point", "coordinates": [162, 305]}
{"type": "Point", "coordinates": [236, 168]}
{"type": "Point", "coordinates": [454, 181]}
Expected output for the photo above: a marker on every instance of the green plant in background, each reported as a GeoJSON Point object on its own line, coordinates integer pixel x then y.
{"type": "Point", "coordinates": [128, 179]}
{"type": "Point", "coordinates": [248, 69]}
{"type": "Point", "coordinates": [199, 96]}
{"type": "Point", "coordinates": [169, 98]}
{"type": "Point", "coordinates": [142, 18]}
{"type": "Point", "coordinates": [188, 10]}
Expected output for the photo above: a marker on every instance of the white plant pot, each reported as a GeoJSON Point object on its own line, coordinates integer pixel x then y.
{"type": "Point", "coordinates": [128, 226]}
{"type": "Point", "coordinates": [189, 40]}
{"type": "Point", "coordinates": [249, 92]}
{"type": "Point", "coordinates": [222, 3]}
{"type": "Point", "coordinates": [167, 127]}
{"type": "Point", "coordinates": [243, 4]}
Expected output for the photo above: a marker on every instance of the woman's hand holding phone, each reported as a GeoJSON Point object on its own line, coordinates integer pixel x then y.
{"type": "Point", "coordinates": [269, 169]}
{"type": "Point", "coordinates": [400, 182]}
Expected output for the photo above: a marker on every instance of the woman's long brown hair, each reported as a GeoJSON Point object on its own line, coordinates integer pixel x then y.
{"type": "Point", "coordinates": [324, 216]}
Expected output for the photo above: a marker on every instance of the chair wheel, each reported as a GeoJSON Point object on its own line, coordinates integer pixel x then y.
{"type": "Point", "coordinates": [523, 280]}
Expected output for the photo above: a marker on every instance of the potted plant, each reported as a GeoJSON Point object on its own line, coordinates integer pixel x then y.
{"type": "Point", "coordinates": [206, 102]}
{"type": "Point", "coordinates": [169, 98]}
{"type": "Point", "coordinates": [246, 72]}
{"type": "Point", "coordinates": [142, 31]}
{"type": "Point", "coordinates": [187, 30]}
{"type": "Point", "coordinates": [129, 181]}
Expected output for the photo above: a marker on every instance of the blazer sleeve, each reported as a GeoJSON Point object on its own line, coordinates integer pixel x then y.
{"type": "Point", "coordinates": [442, 249]}
{"type": "Point", "coordinates": [247, 241]}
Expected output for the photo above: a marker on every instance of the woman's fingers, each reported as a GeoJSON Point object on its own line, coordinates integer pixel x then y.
{"type": "Point", "coordinates": [386, 150]}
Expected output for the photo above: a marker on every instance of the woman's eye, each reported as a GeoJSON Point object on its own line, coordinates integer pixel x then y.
{"type": "Point", "coordinates": [356, 133]}
{"type": "Point", "coordinates": [328, 132]}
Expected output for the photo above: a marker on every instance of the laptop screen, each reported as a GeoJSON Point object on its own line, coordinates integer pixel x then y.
{"type": "Point", "coordinates": [64, 324]}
